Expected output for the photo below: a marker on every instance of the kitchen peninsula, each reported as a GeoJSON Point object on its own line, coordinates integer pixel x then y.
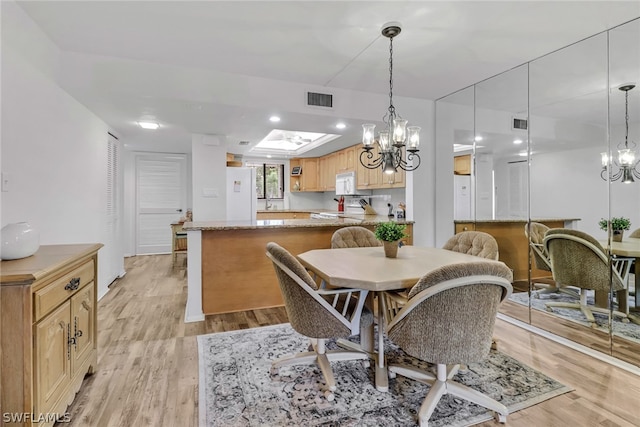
{"type": "Point", "coordinates": [227, 268]}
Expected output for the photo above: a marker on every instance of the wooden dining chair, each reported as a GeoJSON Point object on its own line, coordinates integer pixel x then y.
{"type": "Point", "coordinates": [318, 315]}
{"type": "Point", "coordinates": [435, 326]}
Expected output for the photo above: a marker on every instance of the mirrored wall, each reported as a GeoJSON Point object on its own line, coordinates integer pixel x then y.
{"type": "Point", "coordinates": [536, 136]}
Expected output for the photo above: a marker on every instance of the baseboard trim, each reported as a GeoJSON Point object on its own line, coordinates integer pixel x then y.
{"type": "Point", "coordinates": [573, 345]}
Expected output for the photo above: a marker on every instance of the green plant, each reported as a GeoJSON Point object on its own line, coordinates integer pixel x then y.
{"type": "Point", "coordinates": [617, 224]}
{"type": "Point", "coordinates": [390, 231]}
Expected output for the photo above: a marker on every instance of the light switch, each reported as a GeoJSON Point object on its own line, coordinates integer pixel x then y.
{"type": "Point", "coordinates": [6, 178]}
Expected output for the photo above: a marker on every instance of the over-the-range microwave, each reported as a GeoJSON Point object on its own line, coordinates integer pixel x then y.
{"type": "Point", "coordinates": [346, 185]}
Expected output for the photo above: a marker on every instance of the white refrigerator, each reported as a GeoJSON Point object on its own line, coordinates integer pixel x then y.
{"type": "Point", "coordinates": [462, 197]}
{"type": "Point", "coordinates": [241, 194]}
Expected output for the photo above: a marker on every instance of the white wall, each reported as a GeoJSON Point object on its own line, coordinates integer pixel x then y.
{"type": "Point", "coordinates": [209, 177]}
{"type": "Point", "coordinates": [53, 148]}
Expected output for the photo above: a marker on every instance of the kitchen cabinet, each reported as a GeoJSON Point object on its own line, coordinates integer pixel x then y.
{"type": "Point", "coordinates": [49, 329]}
{"type": "Point", "coordinates": [462, 165]}
{"type": "Point", "coordinates": [282, 215]}
{"type": "Point", "coordinates": [308, 180]}
{"type": "Point", "coordinates": [327, 172]}
{"type": "Point", "coordinates": [346, 159]}
{"type": "Point", "coordinates": [367, 179]}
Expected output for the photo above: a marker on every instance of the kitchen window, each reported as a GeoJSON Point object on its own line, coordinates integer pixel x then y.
{"type": "Point", "coordinates": [269, 177]}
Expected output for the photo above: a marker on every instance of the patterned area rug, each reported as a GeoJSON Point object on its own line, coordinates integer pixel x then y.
{"type": "Point", "coordinates": [630, 330]}
{"type": "Point", "coordinates": [236, 388]}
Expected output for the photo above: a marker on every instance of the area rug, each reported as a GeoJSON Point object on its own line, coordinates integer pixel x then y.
{"type": "Point", "coordinates": [237, 389]}
{"type": "Point", "coordinates": [630, 330]}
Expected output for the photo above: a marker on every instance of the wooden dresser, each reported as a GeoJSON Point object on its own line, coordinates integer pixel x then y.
{"type": "Point", "coordinates": [48, 331]}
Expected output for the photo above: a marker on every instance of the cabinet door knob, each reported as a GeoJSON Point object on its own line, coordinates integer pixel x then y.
{"type": "Point", "coordinates": [73, 284]}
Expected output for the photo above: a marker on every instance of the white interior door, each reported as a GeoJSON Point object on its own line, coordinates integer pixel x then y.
{"type": "Point", "coordinates": [161, 198]}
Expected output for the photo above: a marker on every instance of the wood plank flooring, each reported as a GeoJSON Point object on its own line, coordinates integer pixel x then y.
{"type": "Point", "coordinates": [147, 372]}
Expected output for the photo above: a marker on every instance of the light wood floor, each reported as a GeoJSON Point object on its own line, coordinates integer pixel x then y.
{"type": "Point", "coordinates": [148, 361]}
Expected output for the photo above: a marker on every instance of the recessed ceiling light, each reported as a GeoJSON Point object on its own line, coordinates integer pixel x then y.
{"type": "Point", "coordinates": [268, 156]}
{"type": "Point", "coordinates": [274, 119]}
{"type": "Point", "coordinates": [478, 138]}
{"type": "Point", "coordinates": [522, 154]}
{"type": "Point", "coordinates": [341, 125]}
{"type": "Point", "coordinates": [149, 125]}
{"type": "Point", "coordinates": [517, 141]}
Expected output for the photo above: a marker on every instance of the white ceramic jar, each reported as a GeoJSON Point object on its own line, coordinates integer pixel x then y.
{"type": "Point", "coordinates": [18, 240]}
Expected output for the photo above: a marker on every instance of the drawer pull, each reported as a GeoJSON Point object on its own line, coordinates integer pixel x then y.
{"type": "Point", "coordinates": [73, 284]}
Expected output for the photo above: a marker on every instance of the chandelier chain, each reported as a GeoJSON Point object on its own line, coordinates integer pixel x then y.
{"type": "Point", "coordinates": [392, 109]}
{"type": "Point", "coordinates": [626, 119]}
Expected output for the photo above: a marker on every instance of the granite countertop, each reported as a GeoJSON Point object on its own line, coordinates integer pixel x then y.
{"type": "Point", "coordinates": [522, 220]}
{"type": "Point", "coordinates": [338, 221]}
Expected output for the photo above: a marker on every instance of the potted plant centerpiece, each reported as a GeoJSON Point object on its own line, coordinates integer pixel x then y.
{"type": "Point", "coordinates": [390, 233]}
{"type": "Point", "coordinates": [618, 225]}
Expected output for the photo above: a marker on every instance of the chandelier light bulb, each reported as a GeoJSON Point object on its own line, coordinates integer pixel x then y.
{"type": "Point", "coordinates": [626, 157]}
{"type": "Point", "coordinates": [399, 131]}
{"type": "Point", "coordinates": [413, 137]}
{"type": "Point", "coordinates": [368, 132]}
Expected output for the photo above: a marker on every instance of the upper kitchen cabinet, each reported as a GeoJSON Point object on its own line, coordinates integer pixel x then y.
{"type": "Point", "coordinates": [462, 165]}
{"type": "Point", "coordinates": [327, 172]}
{"type": "Point", "coordinates": [308, 178]}
{"type": "Point", "coordinates": [346, 159]}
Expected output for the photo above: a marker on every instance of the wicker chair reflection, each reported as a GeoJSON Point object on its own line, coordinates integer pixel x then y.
{"type": "Point", "coordinates": [318, 315]}
{"type": "Point", "coordinates": [435, 326]}
{"type": "Point", "coordinates": [354, 237]}
{"type": "Point", "coordinates": [577, 259]}
{"type": "Point", "coordinates": [542, 260]}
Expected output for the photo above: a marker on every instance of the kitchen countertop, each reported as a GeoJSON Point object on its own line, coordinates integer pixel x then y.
{"type": "Point", "coordinates": [461, 221]}
{"type": "Point", "coordinates": [338, 221]}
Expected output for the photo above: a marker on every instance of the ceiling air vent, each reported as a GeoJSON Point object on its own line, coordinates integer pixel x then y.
{"type": "Point", "coordinates": [519, 124]}
{"type": "Point", "coordinates": [244, 143]}
{"type": "Point", "coordinates": [320, 99]}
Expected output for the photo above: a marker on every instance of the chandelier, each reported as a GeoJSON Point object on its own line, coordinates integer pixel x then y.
{"type": "Point", "coordinates": [626, 161]}
{"type": "Point", "coordinates": [397, 137]}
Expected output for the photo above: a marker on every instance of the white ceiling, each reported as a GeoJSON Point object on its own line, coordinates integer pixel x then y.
{"type": "Point", "coordinates": [223, 67]}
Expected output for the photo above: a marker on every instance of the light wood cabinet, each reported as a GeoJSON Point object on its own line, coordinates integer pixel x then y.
{"type": "Point", "coordinates": [309, 179]}
{"type": "Point", "coordinates": [345, 161]}
{"type": "Point", "coordinates": [327, 171]}
{"type": "Point", "coordinates": [462, 165]}
{"type": "Point", "coordinates": [318, 174]}
{"type": "Point", "coordinates": [49, 329]}
{"type": "Point", "coordinates": [283, 215]}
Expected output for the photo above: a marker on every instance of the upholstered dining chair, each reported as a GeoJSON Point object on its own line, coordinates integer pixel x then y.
{"type": "Point", "coordinates": [476, 243]}
{"type": "Point", "coordinates": [578, 259]}
{"type": "Point", "coordinates": [353, 237]}
{"type": "Point", "coordinates": [535, 233]}
{"type": "Point", "coordinates": [435, 326]}
{"type": "Point", "coordinates": [318, 316]}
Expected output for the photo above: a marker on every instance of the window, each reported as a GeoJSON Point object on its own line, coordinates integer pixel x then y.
{"type": "Point", "coordinates": [269, 177]}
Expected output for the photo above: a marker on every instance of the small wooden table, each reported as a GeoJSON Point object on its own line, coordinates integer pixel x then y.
{"type": "Point", "coordinates": [369, 269]}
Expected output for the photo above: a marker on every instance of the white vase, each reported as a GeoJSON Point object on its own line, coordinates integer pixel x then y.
{"type": "Point", "coordinates": [18, 240]}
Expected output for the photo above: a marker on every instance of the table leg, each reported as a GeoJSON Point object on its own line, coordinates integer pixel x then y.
{"type": "Point", "coordinates": [382, 376]}
{"type": "Point", "coordinates": [636, 272]}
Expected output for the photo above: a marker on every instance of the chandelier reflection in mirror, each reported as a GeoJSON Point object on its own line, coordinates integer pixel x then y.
{"type": "Point", "coordinates": [397, 137]}
{"type": "Point", "coordinates": [626, 161]}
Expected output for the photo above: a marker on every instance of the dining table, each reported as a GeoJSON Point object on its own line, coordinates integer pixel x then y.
{"type": "Point", "coordinates": [369, 269]}
{"type": "Point", "coordinates": [628, 247]}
